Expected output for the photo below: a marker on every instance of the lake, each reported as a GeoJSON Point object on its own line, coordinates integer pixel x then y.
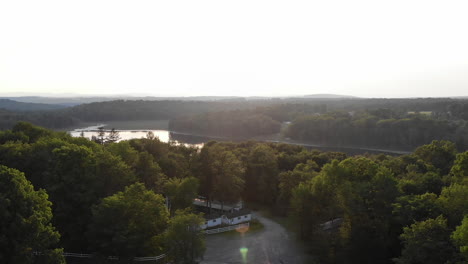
{"type": "Point", "coordinates": [198, 141]}
{"type": "Point", "coordinates": [163, 135]}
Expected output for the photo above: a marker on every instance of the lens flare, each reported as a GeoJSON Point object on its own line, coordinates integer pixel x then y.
{"type": "Point", "coordinates": [243, 252]}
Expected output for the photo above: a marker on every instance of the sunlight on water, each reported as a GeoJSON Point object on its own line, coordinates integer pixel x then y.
{"type": "Point", "coordinates": [163, 135]}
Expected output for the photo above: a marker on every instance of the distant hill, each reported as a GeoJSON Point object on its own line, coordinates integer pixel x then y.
{"type": "Point", "coordinates": [73, 101]}
{"type": "Point", "coordinates": [12, 105]}
{"type": "Point", "coordinates": [61, 101]}
{"type": "Point", "coordinates": [329, 96]}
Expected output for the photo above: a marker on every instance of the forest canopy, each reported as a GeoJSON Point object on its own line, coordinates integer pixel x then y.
{"type": "Point", "coordinates": [346, 209]}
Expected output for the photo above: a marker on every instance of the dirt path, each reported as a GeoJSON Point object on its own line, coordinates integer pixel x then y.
{"type": "Point", "coordinates": [272, 245]}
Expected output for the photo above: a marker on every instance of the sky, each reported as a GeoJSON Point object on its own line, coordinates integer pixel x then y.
{"type": "Point", "coordinates": [244, 48]}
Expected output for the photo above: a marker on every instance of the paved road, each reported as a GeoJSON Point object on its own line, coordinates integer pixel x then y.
{"type": "Point", "coordinates": [272, 245]}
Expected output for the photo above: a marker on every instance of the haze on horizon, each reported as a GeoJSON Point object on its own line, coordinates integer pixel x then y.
{"type": "Point", "coordinates": [243, 48]}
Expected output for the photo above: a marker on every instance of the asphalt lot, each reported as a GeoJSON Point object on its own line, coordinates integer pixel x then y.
{"type": "Point", "coordinates": [271, 245]}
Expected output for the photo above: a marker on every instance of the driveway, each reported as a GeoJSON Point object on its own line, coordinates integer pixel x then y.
{"type": "Point", "coordinates": [271, 245]}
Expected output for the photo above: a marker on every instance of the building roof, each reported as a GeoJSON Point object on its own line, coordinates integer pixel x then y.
{"type": "Point", "coordinates": [332, 224]}
{"type": "Point", "coordinates": [237, 213]}
{"type": "Point", "coordinates": [216, 205]}
{"type": "Point", "coordinates": [212, 216]}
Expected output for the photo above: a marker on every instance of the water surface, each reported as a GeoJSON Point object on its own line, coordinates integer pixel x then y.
{"type": "Point", "coordinates": [163, 135]}
{"type": "Point", "coordinates": [188, 139]}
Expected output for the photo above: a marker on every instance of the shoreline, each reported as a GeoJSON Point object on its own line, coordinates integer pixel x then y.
{"type": "Point", "coordinates": [94, 128]}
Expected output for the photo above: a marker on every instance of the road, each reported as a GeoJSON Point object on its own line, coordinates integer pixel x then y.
{"type": "Point", "coordinates": [271, 245]}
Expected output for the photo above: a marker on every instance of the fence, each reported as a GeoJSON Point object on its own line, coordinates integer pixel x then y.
{"type": "Point", "coordinates": [150, 258]}
{"type": "Point", "coordinates": [77, 255]}
{"type": "Point", "coordinates": [208, 232]}
{"type": "Point", "coordinates": [226, 229]}
{"type": "Point", "coordinates": [81, 255]}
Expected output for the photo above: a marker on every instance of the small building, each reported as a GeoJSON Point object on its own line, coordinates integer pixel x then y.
{"type": "Point", "coordinates": [201, 202]}
{"type": "Point", "coordinates": [239, 216]}
{"type": "Point", "coordinates": [212, 221]}
{"type": "Point", "coordinates": [233, 218]}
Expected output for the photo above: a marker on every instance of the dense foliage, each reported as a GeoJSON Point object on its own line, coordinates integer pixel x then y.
{"type": "Point", "coordinates": [94, 187]}
{"type": "Point", "coordinates": [185, 241]}
{"type": "Point", "coordinates": [232, 124]}
{"type": "Point", "coordinates": [358, 209]}
{"type": "Point", "coordinates": [401, 124]}
{"type": "Point", "coordinates": [12, 105]}
{"type": "Point", "coordinates": [25, 227]}
{"type": "Point", "coordinates": [129, 223]}
{"type": "Point", "coordinates": [50, 119]}
{"type": "Point", "coordinates": [363, 129]}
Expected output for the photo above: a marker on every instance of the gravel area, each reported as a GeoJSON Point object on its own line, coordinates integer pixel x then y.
{"type": "Point", "coordinates": [271, 245]}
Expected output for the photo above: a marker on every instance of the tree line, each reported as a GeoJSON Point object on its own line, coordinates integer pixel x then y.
{"type": "Point", "coordinates": [378, 129]}
{"type": "Point", "coordinates": [230, 124]}
{"type": "Point", "coordinates": [281, 109]}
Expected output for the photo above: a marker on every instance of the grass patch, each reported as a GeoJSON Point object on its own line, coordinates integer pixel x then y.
{"type": "Point", "coordinates": [255, 226]}
{"type": "Point", "coordinates": [286, 221]}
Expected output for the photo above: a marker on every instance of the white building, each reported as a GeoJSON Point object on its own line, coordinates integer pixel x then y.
{"type": "Point", "coordinates": [233, 218]}
{"type": "Point", "coordinates": [239, 216]}
{"type": "Point", "coordinates": [212, 222]}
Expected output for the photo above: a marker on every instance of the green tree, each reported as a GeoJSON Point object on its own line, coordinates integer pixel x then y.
{"type": "Point", "coordinates": [228, 181]}
{"type": "Point", "coordinates": [460, 237]}
{"type": "Point", "coordinates": [220, 173]}
{"type": "Point", "coordinates": [262, 175]}
{"type": "Point", "coordinates": [129, 223]}
{"type": "Point", "coordinates": [112, 174]}
{"type": "Point", "coordinates": [427, 242]}
{"type": "Point", "coordinates": [75, 176]}
{"type": "Point", "coordinates": [288, 180]}
{"type": "Point", "coordinates": [204, 170]}
{"type": "Point", "coordinates": [441, 154]}
{"type": "Point", "coordinates": [459, 169]}
{"type": "Point", "coordinates": [101, 135]}
{"type": "Point", "coordinates": [181, 192]}
{"type": "Point", "coordinates": [318, 200]}
{"type": "Point", "coordinates": [8, 135]}
{"type": "Point", "coordinates": [361, 193]}
{"type": "Point", "coordinates": [25, 227]}
{"type": "Point", "coordinates": [33, 133]}
{"type": "Point", "coordinates": [453, 203]}
{"type": "Point", "coordinates": [185, 240]}
{"type": "Point", "coordinates": [124, 150]}
{"type": "Point", "coordinates": [72, 184]}
{"type": "Point", "coordinates": [367, 194]}
{"type": "Point", "coordinates": [304, 203]}
{"type": "Point", "coordinates": [149, 172]}
{"type": "Point", "coordinates": [113, 136]}
{"type": "Point", "coordinates": [414, 208]}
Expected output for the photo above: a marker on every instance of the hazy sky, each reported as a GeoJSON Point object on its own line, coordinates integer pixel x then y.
{"type": "Point", "coordinates": [182, 48]}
